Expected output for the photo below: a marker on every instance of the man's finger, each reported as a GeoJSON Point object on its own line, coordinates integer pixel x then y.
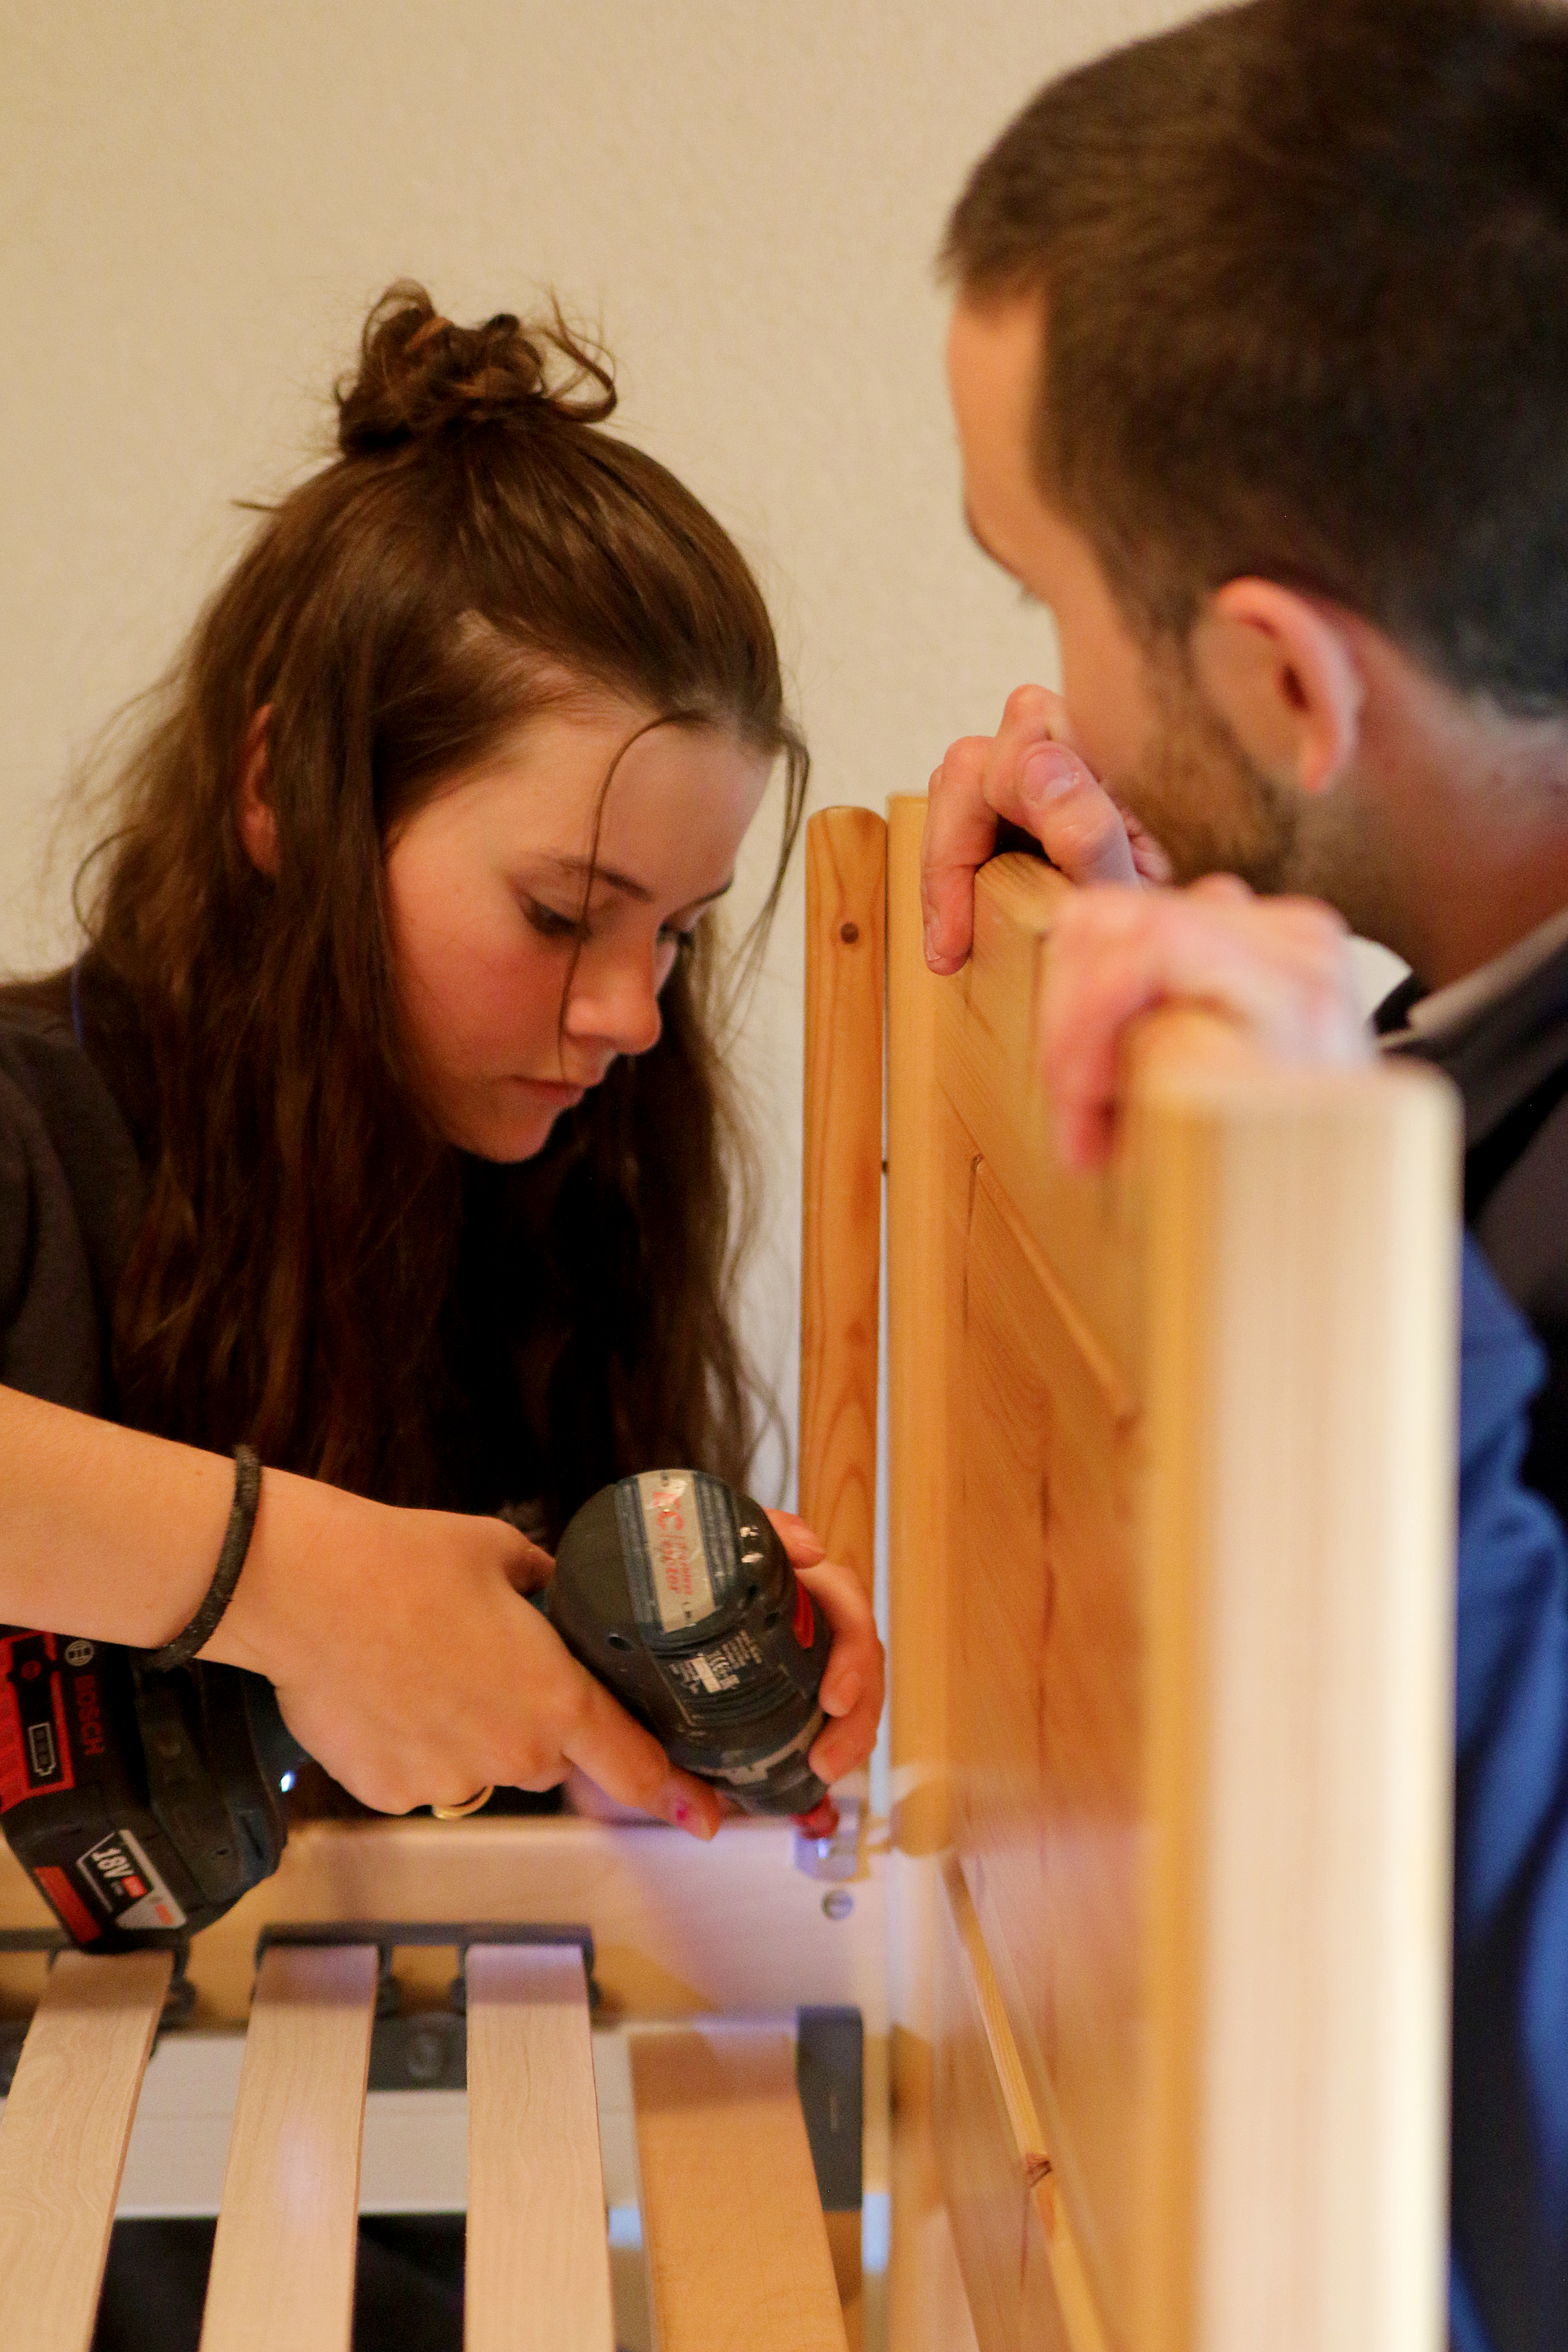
{"type": "Point", "coordinates": [960, 836]}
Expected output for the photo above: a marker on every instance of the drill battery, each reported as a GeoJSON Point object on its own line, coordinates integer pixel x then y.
{"type": "Point", "coordinates": [140, 1804]}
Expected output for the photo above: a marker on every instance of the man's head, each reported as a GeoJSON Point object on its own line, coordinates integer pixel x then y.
{"type": "Point", "coordinates": [1260, 361]}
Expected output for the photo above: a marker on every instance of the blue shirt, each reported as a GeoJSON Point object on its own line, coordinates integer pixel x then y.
{"type": "Point", "coordinates": [1510, 2260]}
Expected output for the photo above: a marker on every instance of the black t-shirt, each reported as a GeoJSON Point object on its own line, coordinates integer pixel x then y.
{"type": "Point", "coordinates": [75, 1137]}
{"type": "Point", "coordinates": [71, 1189]}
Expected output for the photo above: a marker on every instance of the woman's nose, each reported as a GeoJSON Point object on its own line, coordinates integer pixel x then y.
{"type": "Point", "coordinates": [615, 1003]}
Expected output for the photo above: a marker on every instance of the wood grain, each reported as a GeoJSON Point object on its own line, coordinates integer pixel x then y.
{"type": "Point", "coordinates": [928, 1154]}
{"type": "Point", "coordinates": [1047, 1725]}
{"type": "Point", "coordinates": [841, 1212]}
{"type": "Point", "coordinates": [987, 1067]}
{"type": "Point", "coordinates": [1028, 2286]}
{"type": "Point", "coordinates": [738, 2257]}
{"type": "Point", "coordinates": [283, 2259]}
{"type": "Point", "coordinates": [1200, 1606]}
{"type": "Point", "coordinates": [538, 2273]}
{"type": "Point", "coordinates": [62, 2142]}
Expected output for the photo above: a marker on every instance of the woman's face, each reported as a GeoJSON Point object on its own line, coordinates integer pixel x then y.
{"type": "Point", "coordinates": [484, 884]}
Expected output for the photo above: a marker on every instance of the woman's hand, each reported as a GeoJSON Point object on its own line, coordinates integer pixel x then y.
{"type": "Point", "coordinates": [853, 1685]}
{"type": "Point", "coordinates": [406, 1662]}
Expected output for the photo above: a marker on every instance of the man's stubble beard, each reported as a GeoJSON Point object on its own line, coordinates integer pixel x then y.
{"type": "Point", "coordinates": [1213, 810]}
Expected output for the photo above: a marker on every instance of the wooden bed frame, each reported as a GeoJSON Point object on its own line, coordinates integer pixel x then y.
{"type": "Point", "coordinates": [1153, 1945]}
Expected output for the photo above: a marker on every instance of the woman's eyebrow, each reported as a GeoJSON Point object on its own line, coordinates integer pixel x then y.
{"type": "Point", "coordinates": [579, 868]}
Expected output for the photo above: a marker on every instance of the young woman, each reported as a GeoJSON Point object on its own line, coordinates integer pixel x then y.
{"type": "Point", "coordinates": [380, 1126]}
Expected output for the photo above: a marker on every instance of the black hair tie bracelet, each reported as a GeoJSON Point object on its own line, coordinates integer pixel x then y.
{"type": "Point", "coordinates": [226, 1575]}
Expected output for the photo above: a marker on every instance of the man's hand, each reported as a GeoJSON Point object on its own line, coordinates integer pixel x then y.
{"type": "Point", "coordinates": [1029, 774]}
{"type": "Point", "coordinates": [1282, 966]}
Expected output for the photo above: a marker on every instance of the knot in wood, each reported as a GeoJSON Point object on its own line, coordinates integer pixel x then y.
{"type": "Point", "coordinates": [848, 933]}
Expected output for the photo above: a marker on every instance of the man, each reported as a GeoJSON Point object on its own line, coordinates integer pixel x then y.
{"type": "Point", "coordinates": [1259, 363]}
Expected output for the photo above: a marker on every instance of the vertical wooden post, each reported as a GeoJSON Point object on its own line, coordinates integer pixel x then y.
{"type": "Point", "coordinates": [927, 2308]}
{"type": "Point", "coordinates": [841, 1217]}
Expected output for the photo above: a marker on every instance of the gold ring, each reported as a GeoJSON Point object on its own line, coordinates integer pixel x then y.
{"type": "Point", "coordinates": [469, 1804]}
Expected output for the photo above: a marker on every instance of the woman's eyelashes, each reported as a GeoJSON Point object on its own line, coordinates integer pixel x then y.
{"type": "Point", "coordinates": [550, 923]}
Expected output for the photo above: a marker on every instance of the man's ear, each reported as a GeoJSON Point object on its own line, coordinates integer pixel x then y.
{"type": "Point", "coordinates": [1282, 673]}
{"type": "Point", "coordinates": [258, 824]}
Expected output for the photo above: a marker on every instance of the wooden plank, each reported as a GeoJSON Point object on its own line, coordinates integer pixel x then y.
{"type": "Point", "coordinates": [927, 1155]}
{"type": "Point", "coordinates": [283, 2259]}
{"type": "Point", "coordinates": [1301, 1351]}
{"type": "Point", "coordinates": [928, 2307]}
{"type": "Point", "coordinates": [679, 1927]}
{"type": "Point", "coordinates": [841, 1207]}
{"type": "Point", "coordinates": [929, 1159]}
{"type": "Point", "coordinates": [987, 1066]}
{"type": "Point", "coordinates": [538, 2274]}
{"type": "Point", "coordinates": [1200, 1629]}
{"type": "Point", "coordinates": [1028, 2286]}
{"type": "Point", "coordinates": [1047, 1725]}
{"type": "Point", "coordinates": [62, 2142]}
{"type": "Point", "coordinates": [738, 2257]}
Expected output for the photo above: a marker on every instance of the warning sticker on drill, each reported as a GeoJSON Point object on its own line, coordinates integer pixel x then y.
{"type": "Point", "coordinates": [679, 1538]}
{"type": "Point", "coordinates": [123, 1883]}
{"type": "Point", "coordinates": [720, 1668]}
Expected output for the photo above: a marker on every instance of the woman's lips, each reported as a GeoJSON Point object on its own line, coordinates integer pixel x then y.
{"type": "Point", "coordinates": [547, 1090]}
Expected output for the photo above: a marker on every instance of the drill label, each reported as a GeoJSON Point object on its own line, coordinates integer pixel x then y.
{"type": "Point", "coordinates": [679, 1551]}
{"type": "Point", "coordinates": [123, 1883]}
{"type": "Point", "coordinates": [719, 1669]}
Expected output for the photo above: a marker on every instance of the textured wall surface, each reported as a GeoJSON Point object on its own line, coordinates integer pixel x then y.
{"type": "Point", "coordinates": [199, 201]}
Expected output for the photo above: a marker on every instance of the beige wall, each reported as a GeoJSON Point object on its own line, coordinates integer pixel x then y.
{"type": "Point", "coordinates": [199, 197]}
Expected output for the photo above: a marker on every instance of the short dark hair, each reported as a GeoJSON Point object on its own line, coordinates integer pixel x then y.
{"type": "Point", "coordinates": [1307, 270]}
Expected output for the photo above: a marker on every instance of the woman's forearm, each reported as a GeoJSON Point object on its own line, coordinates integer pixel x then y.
{"type": "Point", "coordinates": [402, 1654]}
{"type": "Point", "coordinates": [104, 1531]}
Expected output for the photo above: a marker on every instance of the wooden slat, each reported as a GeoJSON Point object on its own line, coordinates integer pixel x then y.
{"type": "Point", "coordinates": [841, 1211]}
{"type": "Point", "coordinates": [283, 2260]}
{"type": "Point", "coordinates": [538, 2274]}
{"type": "Point", "coordinates": [62, 2143]}
{"type": "Point", "coordinates": [738, 2257]}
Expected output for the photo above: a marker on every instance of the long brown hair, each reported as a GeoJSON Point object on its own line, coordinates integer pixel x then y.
{"type": "Point", "coordinates": [315, 1270]}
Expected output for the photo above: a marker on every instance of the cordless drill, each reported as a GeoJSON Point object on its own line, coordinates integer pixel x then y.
{"type": "Point", "coordinates": [143, 1805]}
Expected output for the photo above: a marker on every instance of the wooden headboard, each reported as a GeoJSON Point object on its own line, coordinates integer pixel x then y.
{"type": "Point", "coordinates": [1172, 1579]}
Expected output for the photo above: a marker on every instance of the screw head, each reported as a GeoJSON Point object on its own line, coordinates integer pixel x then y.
{"type": "Point", "coordinates": [837, 1905]}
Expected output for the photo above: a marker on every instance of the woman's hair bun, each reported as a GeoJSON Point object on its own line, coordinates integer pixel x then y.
{"type": "Point", "coordinates": [419, 375]}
